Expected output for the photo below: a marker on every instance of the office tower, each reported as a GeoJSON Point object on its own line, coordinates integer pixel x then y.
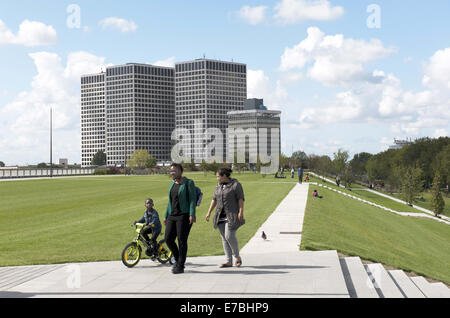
{"type": "Point", "coordinates": [254, 103]}
{"type": "Point", "coordinates": [245, 129]}
{"type": "Point", "coordinates": [205, 90]}
{"type": "Point", "coordinates": [138, 112]}
{"type": "Point", "coordinates": [92, 116]}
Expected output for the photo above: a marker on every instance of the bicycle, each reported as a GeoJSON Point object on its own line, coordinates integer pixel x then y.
{"type": "Point", "coordinates": [132, 253]}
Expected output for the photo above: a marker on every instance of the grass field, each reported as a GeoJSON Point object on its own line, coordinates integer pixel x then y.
{"type": "Point", "coordinates": [369, 196]}
{"type": "Point", "coordinates": [354, 228]}
{"type": "Point", "coordinates": [427, 203]}
{"type": "Point", "coordinates": [89, 219]}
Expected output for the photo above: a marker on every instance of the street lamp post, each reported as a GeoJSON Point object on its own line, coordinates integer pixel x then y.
{"type": "Point", "coordinates": [51, 145]}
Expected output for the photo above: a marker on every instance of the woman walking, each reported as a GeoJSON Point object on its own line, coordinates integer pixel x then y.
{"type": "Point", "coordinates": [228, 200]}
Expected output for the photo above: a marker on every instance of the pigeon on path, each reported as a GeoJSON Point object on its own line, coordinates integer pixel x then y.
{"type": "Point", "coordinates": [264, 236]}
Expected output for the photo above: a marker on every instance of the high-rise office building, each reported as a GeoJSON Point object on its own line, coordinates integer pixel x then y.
{"type": "Point", "coordinates": [205, 91]}
{"type": "Point", "coordinates": [247, 126]}
{"type": "Point", "coordinates": [136, 112]}
{"type": "Point", "coordinates": [92, 116]}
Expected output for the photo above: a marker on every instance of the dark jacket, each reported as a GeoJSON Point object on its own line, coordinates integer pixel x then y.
{"type": "Point", "coordinates": [227, 198]}
{"type": "Point", "coordinates": [187, 196]}
{"type": "Point", "coordinates": [151, 218]}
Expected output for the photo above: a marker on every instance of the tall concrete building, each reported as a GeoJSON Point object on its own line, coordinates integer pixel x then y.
{"type": "Point", "coordinates": [130, 107]}
{"type": "Point", "coordinates": [92, 116]}
{"type": "Point", "coordinates": [247, 126]}
{"type": "Point", "coordinates": [205, 91]}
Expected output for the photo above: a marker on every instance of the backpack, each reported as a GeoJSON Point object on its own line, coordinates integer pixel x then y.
{"type": "Point", "coordinates": [199, 195]}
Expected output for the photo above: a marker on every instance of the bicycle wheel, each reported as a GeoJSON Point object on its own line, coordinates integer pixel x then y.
{"type": "Point", "coordinates": [165, 255]}
{"type": "Point", "coordinates": [131, 254]}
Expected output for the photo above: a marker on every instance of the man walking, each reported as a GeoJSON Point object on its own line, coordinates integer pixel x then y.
{"type": "Point", "coordinates": [300, 175]}
{"type": "Point", "coordinates": [180, 215]}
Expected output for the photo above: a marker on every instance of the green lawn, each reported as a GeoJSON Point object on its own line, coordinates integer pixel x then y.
{"type": "Point", "coordinates": [354, 228]}
{"type": "Point", "coordinates": [89, 219]}
{"type": "Point", "coordinates": [427, 203]}
{"type": "Point", "coordinates": [369, 196]}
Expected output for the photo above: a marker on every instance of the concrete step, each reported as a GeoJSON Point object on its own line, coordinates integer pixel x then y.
{"type": "Point", "coordinates": [383, 282]}
{"type": "Point", "coordinates": [357, 279]}
{"type": "Point", "coordinates": [431, 290]}
{"type": "Point", "coordinates": [409, 289]}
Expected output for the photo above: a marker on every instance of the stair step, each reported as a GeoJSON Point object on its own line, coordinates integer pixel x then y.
{"type": "Point", "coordinates": [445, 292]}
{"type": "Point", "coordinates": [383, 282]}
{"type": "Point", "coordinates": [434, 290]}
{"type": "Point", "coordinates": [357, 279]}
{"type": "Point", "coordinates": [409, 289]}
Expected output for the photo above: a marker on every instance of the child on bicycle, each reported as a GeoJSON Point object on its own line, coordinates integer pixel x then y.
{"type": "Point", "coordinates": [151, 218]}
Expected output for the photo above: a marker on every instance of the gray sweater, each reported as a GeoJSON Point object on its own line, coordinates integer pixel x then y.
{"type": "Point", "coordinates": [227, 198]}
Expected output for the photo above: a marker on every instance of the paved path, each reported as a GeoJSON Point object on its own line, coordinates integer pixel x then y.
{"type": "Point", "coordinates": [271, 268]}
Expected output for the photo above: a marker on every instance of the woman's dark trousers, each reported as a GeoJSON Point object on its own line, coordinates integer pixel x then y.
{"type": "Point", "coordinates": [178, 226]}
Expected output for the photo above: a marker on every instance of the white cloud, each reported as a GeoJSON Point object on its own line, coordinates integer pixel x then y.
{"type": "Point", "coordinates": [440, 133]}
{"type": "Point", "coordinates": [252, 15]}
{"type": "Point", "coordinates": [334, 60]}
{"type": "Point", "coordinates": [25, 134]}
{"type": "Point", "coordinates": [122, 25]}
{"type": "Point", "coordinates": [170, 62]}
{"type": "Point", "coordinates": [294, 11]}
{"type": "Point", "coordinates": [437, 70]}
{"type": "Point", "coordinates": [260, 86]}
{"type": "Point", "coordinates": [410, 113]}
{"type": "Point", "coordinates": [31, 33]}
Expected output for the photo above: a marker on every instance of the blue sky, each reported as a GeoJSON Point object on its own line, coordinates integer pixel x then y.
{"type": "Point", "coordinates": [339, 82]}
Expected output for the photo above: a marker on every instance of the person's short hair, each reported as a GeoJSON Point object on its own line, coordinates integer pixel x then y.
{"type": "Point", "coordinates": [178, 166]}
{"type": "Point", "coordinates": [224, 172]}
{"type": "Point", "coordinates": [151, 201]}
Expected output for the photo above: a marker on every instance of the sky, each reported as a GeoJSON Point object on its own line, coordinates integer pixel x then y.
{"type": "Point", "coordinates": [350, 75]}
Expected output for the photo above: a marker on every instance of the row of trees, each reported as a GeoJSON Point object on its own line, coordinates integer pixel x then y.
{"type": "Point", "coordinates": [424, 164]}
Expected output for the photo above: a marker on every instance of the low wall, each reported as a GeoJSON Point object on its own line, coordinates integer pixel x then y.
{"type": "Point", "coordinates": [35, 173]}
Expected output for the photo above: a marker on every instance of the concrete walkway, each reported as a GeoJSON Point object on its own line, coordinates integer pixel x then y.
{"type": "Point", "coordinates": [271, 268]}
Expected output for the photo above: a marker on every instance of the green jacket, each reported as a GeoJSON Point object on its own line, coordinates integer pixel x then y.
{"type": "Point", "coordinates": [187, 195]}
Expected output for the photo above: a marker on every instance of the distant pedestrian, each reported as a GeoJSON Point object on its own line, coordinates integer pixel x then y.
{"type": "Point", "coordinates": [338, 181]}
{"type": "Point", "coordinates": [292, 173]}
{"type": "Point", "coordinates": [180, 215]}
{"type": "Point", "coordinates": [228, 199]}
{"type": "Point", "coordinates": [300, 175]}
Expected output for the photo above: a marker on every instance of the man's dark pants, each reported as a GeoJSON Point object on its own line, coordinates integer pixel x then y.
{"type": "Point", "coordinates": [178, 226]}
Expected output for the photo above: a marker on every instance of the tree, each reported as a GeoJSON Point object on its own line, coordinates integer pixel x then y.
{"type": "Point", "coordinates": [437, 201]}
{"type": "Point", "coordinates": [42, 165]}
{"type": "Point", "coordinates": [99, 159]}
{"type": "Point", "coordinates": [141, 159]}
{"type": "Point", "coordinates": [151, 162]}
{"type": "Point", "coordinates": [348, 178]}
{"type": "Point", "coordinates": [2, 164]}
{"type": "Point", "coordinates": [358, 163]}
{"type": "Point", "coordinates": [340, 161]}
{"type": "Point", "coordinates": [412, 184]}
{"type": "Point", "coordinates": [299, 159]}
{"type": "Point", "coordinates": [324, 165]}
{"type": "Point", "coordinates": [442, 165]}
